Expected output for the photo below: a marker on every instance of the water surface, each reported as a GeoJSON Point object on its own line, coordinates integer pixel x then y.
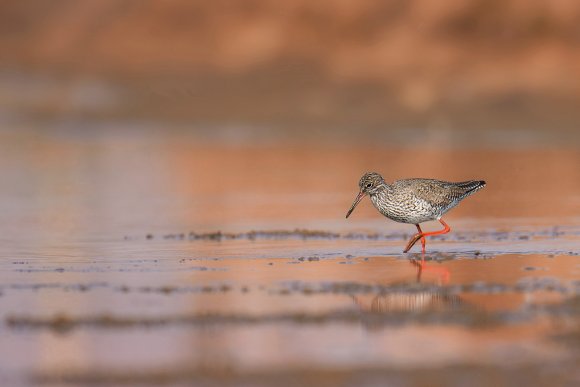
{"type": "Point", "coordinates": [112, 269]}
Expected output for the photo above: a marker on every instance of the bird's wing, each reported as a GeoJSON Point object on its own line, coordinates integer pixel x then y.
{"type": "Point", "coordinates": [436, 193]}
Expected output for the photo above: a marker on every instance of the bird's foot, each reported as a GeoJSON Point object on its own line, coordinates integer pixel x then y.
{"type": "Point", "coordinates": [414, 240]}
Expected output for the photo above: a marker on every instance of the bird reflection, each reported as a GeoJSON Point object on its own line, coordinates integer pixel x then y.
{"type": "Point", "coordinates": [413, 300]}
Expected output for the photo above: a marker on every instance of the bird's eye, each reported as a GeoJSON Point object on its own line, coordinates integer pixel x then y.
{"type": "Point", "coordinates": [369, 185]}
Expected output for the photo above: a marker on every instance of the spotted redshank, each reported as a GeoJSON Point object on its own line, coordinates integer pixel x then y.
{"type": "Point", "coordinates": [414, 200]}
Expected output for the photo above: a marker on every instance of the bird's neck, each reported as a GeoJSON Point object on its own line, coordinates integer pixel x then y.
{"type": "Point", "coordinates": [381, 190]}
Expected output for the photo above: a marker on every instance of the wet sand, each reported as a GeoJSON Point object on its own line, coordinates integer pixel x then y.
{"type": "Point", "coordinates": [132, 259]}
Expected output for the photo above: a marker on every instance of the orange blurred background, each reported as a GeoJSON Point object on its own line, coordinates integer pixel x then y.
{"type": "Point", "coordinates": [339, 68]}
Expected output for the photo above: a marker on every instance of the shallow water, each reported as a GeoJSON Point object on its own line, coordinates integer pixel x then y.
{"type": "Point", "coordinates": [112, 270]}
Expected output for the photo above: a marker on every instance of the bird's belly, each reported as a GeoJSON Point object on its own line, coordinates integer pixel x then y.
{"type": "Point", "coordinates": [410, 218]}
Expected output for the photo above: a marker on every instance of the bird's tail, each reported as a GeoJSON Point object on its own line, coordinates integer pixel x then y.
{"type": "Point", "coordinates": [471, 186]}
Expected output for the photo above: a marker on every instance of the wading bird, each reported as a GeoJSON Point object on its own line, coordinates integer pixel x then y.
{"type": "Point", "coordinates": [414, 200]}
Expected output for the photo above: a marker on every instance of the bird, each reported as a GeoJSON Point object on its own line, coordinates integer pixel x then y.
{"type": "Point", "coordinates": [415, 200]}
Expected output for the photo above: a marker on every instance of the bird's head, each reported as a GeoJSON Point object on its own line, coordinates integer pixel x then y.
{"type": "Point", "coordinates": [370, 183]}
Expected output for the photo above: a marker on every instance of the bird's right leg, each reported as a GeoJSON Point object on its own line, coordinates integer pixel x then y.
{"type": "Point", "coordinates": [423, 241]}
{"type": "Point", "coordinates": [415, 238]}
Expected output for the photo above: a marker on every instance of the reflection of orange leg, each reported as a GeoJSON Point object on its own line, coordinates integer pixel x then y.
{"type": "Point", "coordinates": [419, 266]}
{"type": "Point", "coordinates": [442, 272]}
{"type": "Point", "coordinates": [422, 235]}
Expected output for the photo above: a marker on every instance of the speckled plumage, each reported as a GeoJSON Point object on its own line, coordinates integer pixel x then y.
{"type": "Point", "coordinates": [414, 200]}
{"type": "Point", "coordinates": [420, 200]}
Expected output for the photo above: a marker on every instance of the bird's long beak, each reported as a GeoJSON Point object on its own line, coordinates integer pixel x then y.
{"type": "Point", "coordinates": [359, 197]}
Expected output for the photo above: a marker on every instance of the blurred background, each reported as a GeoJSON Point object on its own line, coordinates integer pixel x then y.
{"type": "Point", "coordinates": [409, 72]}
{"type": "Point", "coordinates": [219, 113]}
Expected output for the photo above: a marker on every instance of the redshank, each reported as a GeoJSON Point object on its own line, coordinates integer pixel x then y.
{"type": "Point", "coordinates": [414, 200]}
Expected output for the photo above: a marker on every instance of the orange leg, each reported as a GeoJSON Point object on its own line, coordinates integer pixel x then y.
{"type": "Point", "coordinates": [421, 235]}
{"type": "Point", "coordinates": [423, 241]}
